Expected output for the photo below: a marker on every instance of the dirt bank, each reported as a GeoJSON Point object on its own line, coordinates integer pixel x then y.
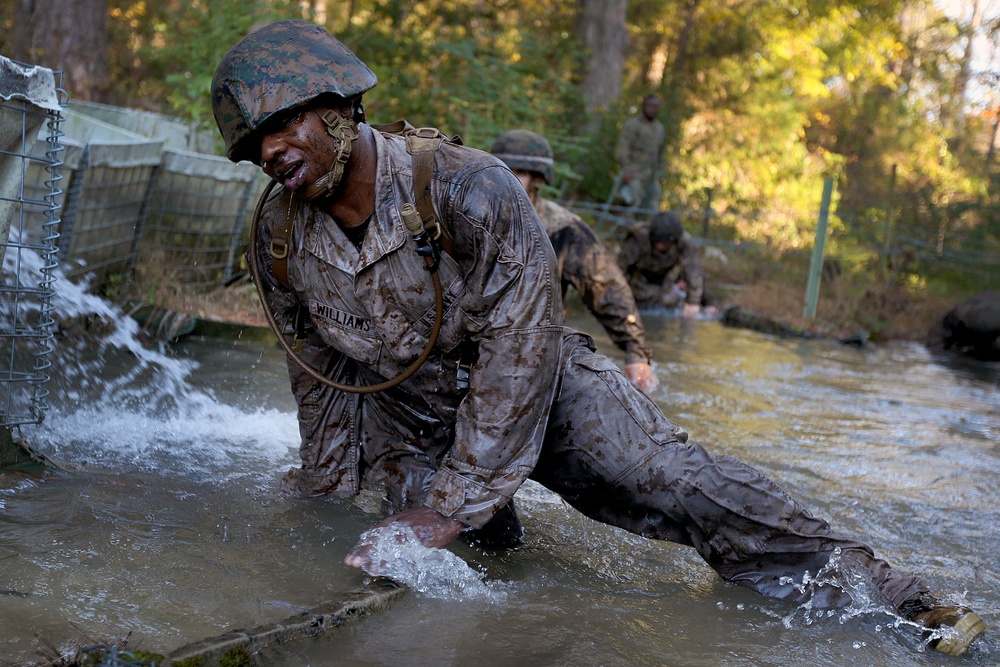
{"type": "Point", "coordinates": [896, 308]}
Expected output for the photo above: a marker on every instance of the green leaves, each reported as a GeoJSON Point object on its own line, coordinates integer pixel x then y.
{"type": "Point", "coordinates": [761, 100]}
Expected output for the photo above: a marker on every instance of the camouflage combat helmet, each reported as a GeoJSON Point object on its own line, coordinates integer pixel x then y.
{"type": "Point", "coordinates": [523, 149]}
{"type": "Point", "coordinates": [275, 68]}
{"type": "Point", "coordinates": [665, 227]}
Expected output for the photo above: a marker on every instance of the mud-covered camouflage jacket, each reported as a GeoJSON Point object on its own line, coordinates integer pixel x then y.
{"type": "Point", "coordinates": [591, 269]}
{"type": "Point", "coordinates": [639, 149]}
{"type": "Point", "coordinates": [461, 451]}
{"type": "Point", "coordinates": [649, 272]}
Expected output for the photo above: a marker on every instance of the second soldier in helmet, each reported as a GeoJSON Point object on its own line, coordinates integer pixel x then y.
{"type": "Point", "coordinates": [582, 260]}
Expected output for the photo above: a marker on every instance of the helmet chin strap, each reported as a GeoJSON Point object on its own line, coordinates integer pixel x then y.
{"type": "Point", "coordinates": [344, 131]}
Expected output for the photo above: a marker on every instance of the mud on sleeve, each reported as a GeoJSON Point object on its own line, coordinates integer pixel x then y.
{"type": "Point", "coordinates": [513, 292]}
{"type": "Point", "coordinates": [594, 273]}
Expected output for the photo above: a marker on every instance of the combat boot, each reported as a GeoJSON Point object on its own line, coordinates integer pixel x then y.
{"type": "Point", "coordinates": [959, 625]}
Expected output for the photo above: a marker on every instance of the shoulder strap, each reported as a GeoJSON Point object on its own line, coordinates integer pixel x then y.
{"type": "Point", "coordinates": [421, 142]}
{"type": "Point", "coordinates": [281, 235]}
{"type": "Point", "coordinates": [398, 127]}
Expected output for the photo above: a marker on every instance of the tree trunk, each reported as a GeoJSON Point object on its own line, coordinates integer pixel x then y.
{"type": "Point", "coordinates": [965, 72]}
{"type": "Point", "coordinates": [600, 27]}
{"type": "Point", "coordinates": [683, 41]}
{"type": "Point", "coordinates": [955, 107]}
{"type": "Point", "coordinates": [316, 11]}
{"type": "Point", "coordinates": [991, 151]}
{"type": "Point", "coordinates": [66, 35]}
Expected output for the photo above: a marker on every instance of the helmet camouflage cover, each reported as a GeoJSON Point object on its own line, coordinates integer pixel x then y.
{"type": "Point", "coordinates": [527, 150]}
{"type": "Point", "coordinates": [665, 227]}
{"type": "Point", "coordinates": [275, 68]}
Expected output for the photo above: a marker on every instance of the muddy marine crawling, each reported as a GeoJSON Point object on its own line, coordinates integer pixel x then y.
{"type": "Point", "coordinates": [538, 402]}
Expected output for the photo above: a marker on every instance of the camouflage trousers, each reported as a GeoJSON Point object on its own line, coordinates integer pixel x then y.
{"type": "Point", "coordinates": [612, 455]}
{"type": "Point", "coordinates": [646, 190]}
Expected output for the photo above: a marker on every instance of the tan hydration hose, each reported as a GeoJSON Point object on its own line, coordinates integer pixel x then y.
{"type": "Point", "coordinates": [413, 223]}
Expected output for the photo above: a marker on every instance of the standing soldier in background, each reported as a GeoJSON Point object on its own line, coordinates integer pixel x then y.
{"type": "Point", "coordinates": [661, 263]}
{"type": "Point", "coordinates": [639, 153]}
{"type": "Point", "coordinates": [582, 260]}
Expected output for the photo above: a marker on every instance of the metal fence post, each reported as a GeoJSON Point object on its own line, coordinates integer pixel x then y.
{"type": "Point", "coordinates": [72, 205]}
{"type": "Point", "coordinates": [238, 224]}
{"type": "Point", "coordinates": [816, 264]}
{"type": "Point", "coordinates": [140, 223]}
{"type": "Point", "coordinates": [707, 214]}
{"type": "Point", "coordinates": [890, 213]}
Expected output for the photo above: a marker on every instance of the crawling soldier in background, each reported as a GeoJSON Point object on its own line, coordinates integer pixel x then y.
{"type": "Point", "coordinates": [663, 267]}
{"type": "Point", "coordinates": [582, 259]}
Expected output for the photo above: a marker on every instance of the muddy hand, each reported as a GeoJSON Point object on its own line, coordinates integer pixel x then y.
{"type": "Point", "coordinates": [691, 310]}
{"type": "Point", "coordinates": [641, 375]}
{"type": "Point", "coordinates": [431, 529]}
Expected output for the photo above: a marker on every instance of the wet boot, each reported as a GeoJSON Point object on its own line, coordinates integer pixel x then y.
{"type": "Point", "coordinates": [959, 625]}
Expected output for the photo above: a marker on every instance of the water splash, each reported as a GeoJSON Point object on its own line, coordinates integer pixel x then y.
{"type": "Point", "coordinates": [396, 553]}
{"type": "Point", "coordinates": [674, 312]}
{"type": "Point", "coordinates": [839, 579]}
{"type": "Point", "coordinates": [121, 400]}
{"type": "Point", "coordinates": [843, 575]}
{"type": "Point", "coordinates": [94, 332]}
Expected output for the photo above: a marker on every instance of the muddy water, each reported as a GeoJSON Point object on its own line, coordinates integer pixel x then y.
{"type": "Point", "coordinates": [169, 526]}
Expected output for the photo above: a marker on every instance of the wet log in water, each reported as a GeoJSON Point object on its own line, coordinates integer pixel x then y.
{"type": "Point", "coordinates": [237, 646]}
{"type": "Point", "coordinates": [747, 319]}
{"type": "Point", "coordinates": [971, 328]}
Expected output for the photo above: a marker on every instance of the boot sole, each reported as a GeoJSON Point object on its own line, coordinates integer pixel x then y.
{"type": "Point", "coordinates": [963, 633]}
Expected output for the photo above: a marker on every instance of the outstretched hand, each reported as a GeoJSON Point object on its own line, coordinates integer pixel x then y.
{"type": "Point", "coordinates": [641, 375]}
{"type": "Point", "coordinates": [690, 310]}
{"type": "Point", "coordinates": [431, 528]}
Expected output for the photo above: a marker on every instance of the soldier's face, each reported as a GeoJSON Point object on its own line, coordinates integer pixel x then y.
{"type": "Point", "coordinates": [296, 150]}
{"type": "Point", "coordinates": [662, 246]}
{"type": "Point", "coordinates": [530, 180]}
{"type": "Point", "coordinates": [651, 107]}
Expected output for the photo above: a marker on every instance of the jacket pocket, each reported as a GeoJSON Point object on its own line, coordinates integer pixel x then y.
{"type": "Point", "coordinates": [640, 407]}
{"type": "Point", "coordinates": [352, 334]}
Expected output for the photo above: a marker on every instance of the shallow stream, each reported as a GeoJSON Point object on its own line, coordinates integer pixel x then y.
{"type": "Point", "coordinates": [169, 526]}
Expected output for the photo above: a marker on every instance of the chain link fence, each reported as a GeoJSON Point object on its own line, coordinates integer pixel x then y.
{"type": "Point", "coordinates": [963, 239]}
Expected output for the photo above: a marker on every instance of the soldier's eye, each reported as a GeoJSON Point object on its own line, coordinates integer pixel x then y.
{"type": "Point", "coordinates": [296, 119]}
{"type": "Point", "coordinates": [286, 121]}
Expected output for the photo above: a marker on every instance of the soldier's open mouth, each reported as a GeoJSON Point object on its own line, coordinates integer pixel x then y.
{"type": "Point", "coordinates": [294, 177]}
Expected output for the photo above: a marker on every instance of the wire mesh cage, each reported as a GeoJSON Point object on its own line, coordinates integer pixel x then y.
{"type": "Point", "coordinates": [193, 226]}
{"type": "Point", "coordinates": [31, 99]}
{"type": "Point", "coordinates": [109, 171]}
{"type": "Point", "coordinates": [191, 231]}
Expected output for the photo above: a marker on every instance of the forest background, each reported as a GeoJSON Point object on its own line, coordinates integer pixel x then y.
{"type": "Point", "coordinates": [896, 100]}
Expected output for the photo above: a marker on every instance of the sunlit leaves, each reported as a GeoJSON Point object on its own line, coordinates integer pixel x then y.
{"type": "Point", "coordinates": [761, 99]}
